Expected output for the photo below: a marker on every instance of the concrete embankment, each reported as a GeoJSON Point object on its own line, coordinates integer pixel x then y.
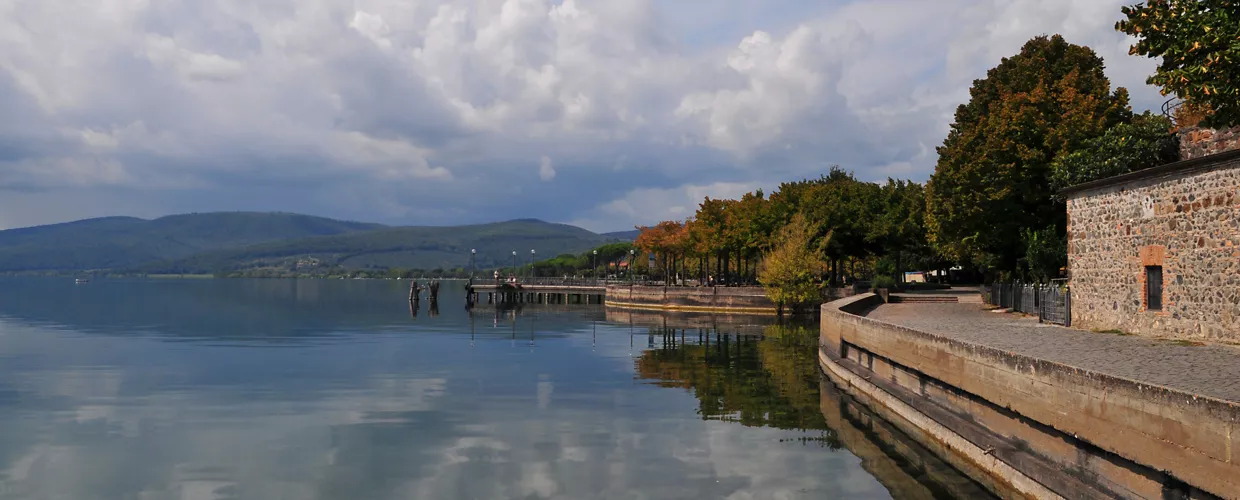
{"type": "Point", "coordinates": [746, 300]}
{"type": "Point", "coordinates": [1031, 426]}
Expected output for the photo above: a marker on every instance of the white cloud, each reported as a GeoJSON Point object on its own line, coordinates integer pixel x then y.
{"type": "Point", "coordinates": [403, 107]}
{"type": "Point", "coordinates": [546, 171]}
{"type": "Point", "coordinates": [659, 204]}
{"type": "Point", "coordinates": [373, 27]}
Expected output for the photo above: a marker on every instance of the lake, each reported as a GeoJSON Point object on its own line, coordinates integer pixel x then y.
{"type": "Point", "coordinates": [335, 389]}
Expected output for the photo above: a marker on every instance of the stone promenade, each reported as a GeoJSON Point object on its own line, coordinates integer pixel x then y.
{"type": "Point", "coordinates": [1207, 370]}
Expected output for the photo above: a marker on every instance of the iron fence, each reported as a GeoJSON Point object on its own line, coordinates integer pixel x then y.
{"type": "Point", "coordinates": [1052, 303]}
{"type": "Point", "coordinates": [589, 282]}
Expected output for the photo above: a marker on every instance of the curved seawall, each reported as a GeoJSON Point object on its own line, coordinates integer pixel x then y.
{"type": "Point", "coordinates": [1037, 427]}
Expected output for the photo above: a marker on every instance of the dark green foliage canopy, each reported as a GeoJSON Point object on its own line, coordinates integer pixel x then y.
{"type": "Point", "coordinates": [1199, 43]}
{"type": "Point", "coordinates": [992, 181]}
{"type": "Point", "coordinates": [1046, 250]}
{"type": "Point", "coordinates": [1127, 147]}
{"type": "Point", "coordinates": [899, 226]}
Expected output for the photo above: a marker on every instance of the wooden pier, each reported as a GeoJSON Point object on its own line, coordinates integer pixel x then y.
{"type": "Point", "coordinates": [534, 292]}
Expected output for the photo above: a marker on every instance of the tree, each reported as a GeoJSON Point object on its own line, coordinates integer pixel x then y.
{"type": "Point", "coordinates": [1146, 142]}
{"type": "Point", "coordinates": [899, 227]}
{"type": "Point", "coordinates": [1046, 251]}
{"type": "Point", "coordinates": [790, 271]}
{"type": "Point", "coordinates": [992, 178]}
{"type": "Point", "coordinates": [667, 240]}
{"type": "Point", "coordinates": [1199, 43]}
{"type": "Point", "coordinates": [752, 226]}
{"type": "Point", "coordinates": [711, 218]}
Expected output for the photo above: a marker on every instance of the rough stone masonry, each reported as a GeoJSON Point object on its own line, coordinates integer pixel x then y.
{"type": "Point", "coordinates": [1183, 217]}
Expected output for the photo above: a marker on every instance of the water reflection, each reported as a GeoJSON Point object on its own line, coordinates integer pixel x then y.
{"type": "Point", "coordinates": [769, 379]}
{"type": "Point", "coordinates": [221, 389]}
{"type": "Point", "coordinates": [906, 468]}
{"type": "Point", "coordinates": [773, 380]}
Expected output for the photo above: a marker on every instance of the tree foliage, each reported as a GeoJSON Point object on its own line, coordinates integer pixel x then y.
{"type": "Point", "coordinates": [1046, 251]}
{"type": "Point", "coordinates": [866, 221]}
{"type": "Point", "coordinates": [1199, 43]}
{"type": "Point", "coordinates": [899, 227]}
{"type": "Point", "coordinates": [1146, 142]}
{"type": "Point", "coordinates": [992, 178]}
{"type": "Point", "coordinates": [790, 271]}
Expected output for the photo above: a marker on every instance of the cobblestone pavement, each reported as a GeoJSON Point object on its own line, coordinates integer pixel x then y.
{"type": "Point", "coordinates": [1210, 370]}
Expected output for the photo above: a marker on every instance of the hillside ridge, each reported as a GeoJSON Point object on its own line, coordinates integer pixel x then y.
{"type": "Point", "coordinates": [215, 242]}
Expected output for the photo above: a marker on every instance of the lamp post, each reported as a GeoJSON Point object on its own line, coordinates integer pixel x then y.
{"type": "Point", "coordinates": [473, 261]}
{"type": "Point", "coordinates": [594, 261]}
{"type": "Point", "coordinates": [531, 263]}
{"type": "Point", "coordinates": [631, 253]}
{"type": "Point", "coordinates": [514, 262]}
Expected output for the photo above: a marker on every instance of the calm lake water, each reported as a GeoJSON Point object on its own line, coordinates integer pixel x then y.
{"type": "Point", "coordinates": [332, 389]}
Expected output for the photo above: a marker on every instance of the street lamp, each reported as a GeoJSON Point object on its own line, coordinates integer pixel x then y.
{"type": "Point", "coordinates": [594, 260]}
{"type": "Point", "coordinates": [473, 261]}
{"type": "Point", "coordinates": [531, 262]}
{"type": "Point", "coordinates": [514, 262]}
{"type": "Point", "coordinates": [631, 266]}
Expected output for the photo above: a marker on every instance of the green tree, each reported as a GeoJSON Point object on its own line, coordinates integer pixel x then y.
{"type": "Point", "coordinates": [1046, 251]}
{"type": "Point", "coordinates": [1199, 43]}
{"type": "Point", "coordinates": [790, 271]}
{"type": "Point", "coordinates": [992, 178]}
{"type": "Point", "coordinates": [844, 208]}
{"type": "Point", "coordinates": [1146, 142]}
{"type": "Point", "coordinates": [710, 224]}
{"type": "Point", "coordinates": [899, 227]}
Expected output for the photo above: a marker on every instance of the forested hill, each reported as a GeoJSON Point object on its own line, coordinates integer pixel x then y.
{"type": "Point", "coordinates": [220, 242]}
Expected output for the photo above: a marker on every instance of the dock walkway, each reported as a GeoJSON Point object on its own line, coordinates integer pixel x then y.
{"type": "Point", "coordinates": [1208, 370]}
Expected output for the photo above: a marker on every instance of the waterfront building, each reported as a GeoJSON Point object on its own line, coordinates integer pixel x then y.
{"type": "Point", "coordinates": [1157, 252]}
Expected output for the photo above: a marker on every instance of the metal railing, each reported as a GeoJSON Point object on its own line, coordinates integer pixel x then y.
{"type": "Point", "coordinates": [587, 282]}
{"type": "Point", "coordinates": [599, 282]}
{"type": "Point", "coordinates": [1052, 303]}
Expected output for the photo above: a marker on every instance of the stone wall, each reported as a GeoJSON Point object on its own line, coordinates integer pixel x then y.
{"type": "Point", "coordinates": [1186, 220]}
{"type": "Point", "coordinates": [750, 300]}
{"type": "Point", "coordinates": [1198, 142]}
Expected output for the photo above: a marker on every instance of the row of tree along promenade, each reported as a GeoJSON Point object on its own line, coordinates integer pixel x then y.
{"type": "Point", "coordinates": [1042, 120]}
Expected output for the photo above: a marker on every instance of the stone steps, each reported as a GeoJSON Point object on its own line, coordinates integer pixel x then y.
{"type": "Point", "coordinates": [905, 299]}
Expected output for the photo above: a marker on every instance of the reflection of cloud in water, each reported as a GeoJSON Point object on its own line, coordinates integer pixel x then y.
{"type": "Point", "coordinates": [382, 444]}
{"type": "Point", "coordinates": [417, 413]}
{"type": "Point", "coordinates": [545, 387]}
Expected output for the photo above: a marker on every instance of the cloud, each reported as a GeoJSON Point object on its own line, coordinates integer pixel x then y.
{"type": "Point", "coordinates": [659, 204]}
{"type": "Point", "coordinates": [546, 172]}
{"type": "Point", "coordinates": [414, 111]}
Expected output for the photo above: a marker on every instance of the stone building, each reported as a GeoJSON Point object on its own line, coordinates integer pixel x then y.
{"type": "Point", "coordinates": [1157, 252]}
{"type": "Point", "coordinates": [1196, 142]}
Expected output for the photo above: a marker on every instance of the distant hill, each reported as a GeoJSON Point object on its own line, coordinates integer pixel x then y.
{"type": "Point", "coordinates": [116, 242]}
{"type": "Point", "coordinates": [219, 242]}
{"type": "Point", "coordinates": [427, 247]}
{"type": "Point", "coordinates": [624, 235]}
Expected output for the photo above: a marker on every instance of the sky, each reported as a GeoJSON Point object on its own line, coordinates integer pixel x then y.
{"type": "Point", "coordinates": [601, 113]}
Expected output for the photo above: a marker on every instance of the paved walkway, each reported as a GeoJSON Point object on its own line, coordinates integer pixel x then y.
{"type": "Point", "coordinates": [1212, 370]}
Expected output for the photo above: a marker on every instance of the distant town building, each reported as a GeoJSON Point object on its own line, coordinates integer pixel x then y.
{"type": "Point", "coordinates": [1157, 252]}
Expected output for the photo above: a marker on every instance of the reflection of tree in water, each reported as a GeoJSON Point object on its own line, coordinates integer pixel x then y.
{"type": "Point", "coordinates": [760, 381]}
